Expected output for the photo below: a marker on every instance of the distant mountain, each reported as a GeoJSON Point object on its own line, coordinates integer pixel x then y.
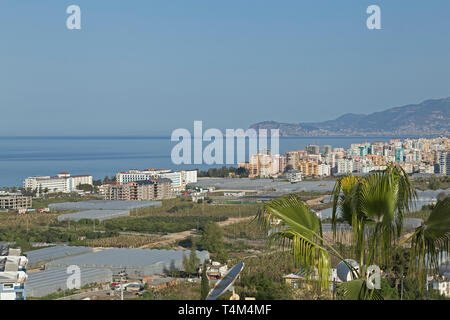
{"type": "Point", "coordinates": [429, 118]}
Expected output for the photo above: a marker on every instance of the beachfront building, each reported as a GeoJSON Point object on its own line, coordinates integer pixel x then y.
{"type": "Point", "coordinates": [134, 175]}
{"type": "Point", "coordinates": [179, 178]}
{"type": "Point", "coordinates": [63, 182]}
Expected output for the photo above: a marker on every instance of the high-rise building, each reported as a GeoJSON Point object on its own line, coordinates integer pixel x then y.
{"type": "Point", "coordinates": [399, 154]}
{"type": "Point", "coordinates": [264, 165]}
{"type": "Point", "coordinates": [312, 149]}
{"type": "Point", "coordinates": [363, 151]}
{"type": "Point", "coordinates": [444, 163]}
{"type": "Point", "coordinates": [292, 159]}
{"type": "Point", "coordinates": [344, 166]}
{"type": "Point", "coordinates": [282, 164]}
{"type": "Point", "coordinates": [326, 150]}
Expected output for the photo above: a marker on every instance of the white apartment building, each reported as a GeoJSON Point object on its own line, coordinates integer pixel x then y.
{"type": "Point", "coordinates": [294, 176]}
{"type": "Point", "coordinates": [427, 169]}
{"type": "Point", "coordinates": [179, 178]}
{"type": "Point", "coordinates": [324, 170]}
{"type": "Point", "coordinates": [63, 182]}
{"type": "Point", "coordinates": [344, 166]}
{"type": "Point", "coordinates": [176, 178]}
{"type": "Point", "coordinates": [134, 175]}
{"type": "Point", "coordinates": [52, 184]}
{"type": "Point", "coordinates": [189, 176]}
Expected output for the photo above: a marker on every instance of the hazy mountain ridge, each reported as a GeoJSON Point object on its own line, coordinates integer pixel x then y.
{"type": "Point", "coordinates": [431, 117]}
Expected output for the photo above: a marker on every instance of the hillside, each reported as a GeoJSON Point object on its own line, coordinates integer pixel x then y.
{"type": "Point", "coordinates": [431, 117]}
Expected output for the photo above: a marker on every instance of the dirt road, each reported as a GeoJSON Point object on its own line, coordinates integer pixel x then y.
{"type": "Point", "coordinates": [174, 237]}
{"type": "Point", "coordinates": [315, 201]}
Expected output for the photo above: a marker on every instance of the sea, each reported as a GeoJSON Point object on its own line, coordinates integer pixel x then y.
{"type": "Point", "coordinates": [22, 157]}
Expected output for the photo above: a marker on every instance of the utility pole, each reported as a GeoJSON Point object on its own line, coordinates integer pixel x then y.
{"type": "Point", "coordinates": [334, 288]}
{"type": "Point", "coordinates": [401, 291]}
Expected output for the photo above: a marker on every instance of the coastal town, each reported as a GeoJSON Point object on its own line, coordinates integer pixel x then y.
{"type": "Point", "coordinates": [139, 210]}
{"type": "Point", "coordinates": [417, 157]}
{"type": "Point", "coordinates": [224, 159]}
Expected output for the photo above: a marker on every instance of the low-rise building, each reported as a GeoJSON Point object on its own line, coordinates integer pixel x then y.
{"type": "Point", "coordinates": [294, 176]}
{"type": "Point", "coordinates": [442, 285]}
{"type": "Point", "coordinates": [15, 202]}
{"type": "Point", "coordinates": [12, 275]}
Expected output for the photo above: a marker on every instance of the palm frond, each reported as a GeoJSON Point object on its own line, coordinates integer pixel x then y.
{"type": "Point", "coordinates": [310, 255]}
{"type": "Point", "coordinates": [300, 231]}
{"type": "Point", "coordinates": [432, 239]}
{"type": "Point", "coordinates": [357, 290]}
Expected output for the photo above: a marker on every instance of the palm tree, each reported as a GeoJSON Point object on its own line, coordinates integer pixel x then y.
{"type": "Point", "coordinates": [375, 207]}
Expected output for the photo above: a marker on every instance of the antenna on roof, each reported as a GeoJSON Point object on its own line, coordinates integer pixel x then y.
{"type": "Point", "coordinates": [224, 284]}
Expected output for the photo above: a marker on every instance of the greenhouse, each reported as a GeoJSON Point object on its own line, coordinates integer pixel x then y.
{"type": "Point", "coordinates": [43, 283]}
{"type": "Point", "coordinates": [104, 205]}
{"type": "Point", "coordinates": [94, 215]}
{"type": "Point", "coordinates": [137, 263]}
{"type": "Point", "coordinates": [38, 257]}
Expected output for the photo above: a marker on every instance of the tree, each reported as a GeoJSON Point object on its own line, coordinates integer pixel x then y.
{"type": "Point", "coordinates": [85, 187]}
{"type": "Point", "coordinates": [212, 237]}
{"type": "Point", "coordinates": [441, 196]}
{"type": "Point", "coordinates": [242, 172]}
{"type": "Point", "coordinates": [190, 264]}
{"type": "Point", "coordinates": [434, 184]}
{"type": "Point", "coordinates": [375, 206]}
{"type": "Point", "coordinates": [97, 183]}
{"type": "Point", "coordinates": [204, 284]}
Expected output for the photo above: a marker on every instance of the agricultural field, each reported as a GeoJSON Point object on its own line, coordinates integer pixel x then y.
{"type": "Point", "coordinates": [185, 207]}
{"type": "Point", "coordinates": [63, 197]}
{"type": "Point", "coordinates": [432, 183]}
{"type": "Point", "coordinates": [142, 228]}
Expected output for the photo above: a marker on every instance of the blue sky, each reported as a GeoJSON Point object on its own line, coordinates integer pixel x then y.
{"type": "Point", "coordinates": [148, 67]}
